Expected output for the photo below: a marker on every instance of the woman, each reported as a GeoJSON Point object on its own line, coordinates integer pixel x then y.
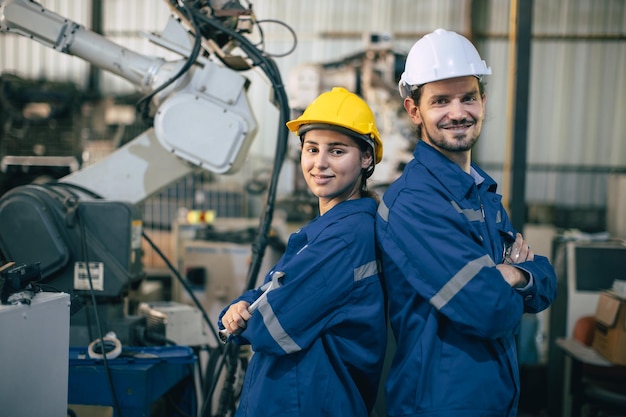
{"type": "Point", "coordinates": [319, 333]}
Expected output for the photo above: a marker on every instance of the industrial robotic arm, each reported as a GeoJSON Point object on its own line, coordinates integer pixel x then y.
{"type": "Point", "coordinates": [85, 232]}
{"type": "Point", "coordinates": [202, 119]}
{"type": "Point", "coordinates": [88, 225]}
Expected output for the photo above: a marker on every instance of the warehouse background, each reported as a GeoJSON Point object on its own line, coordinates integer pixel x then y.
{"type": "Point", "coordinates": [577, 88]}
{"type": "Point", "coordinates": [575, 122]}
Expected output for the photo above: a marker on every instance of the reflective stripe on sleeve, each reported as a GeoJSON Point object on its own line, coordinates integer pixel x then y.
{"type": "Point", "coordinates": [383, 210]}
{"type": "Point", "coordinates": [276, 330]}
{"type": "Point", "coordinates": [458, 281]}
{"type": "Point", "coordinates": [265, 286]}
{"type": "Point", "coordinates": [471, 214]}
{"type": "Point", "coordinates": [364, 271]}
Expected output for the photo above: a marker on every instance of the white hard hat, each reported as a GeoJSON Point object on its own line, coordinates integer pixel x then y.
{"type": "Point", "coordinates": [440, 55]}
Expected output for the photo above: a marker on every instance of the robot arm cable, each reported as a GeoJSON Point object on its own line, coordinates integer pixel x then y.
{"type": "Point", "coordinates": [271, 70]}
{"type": "Point", "coordinates": [143, 105]}
{"type": "Point", "coordinates": [107, 369]}
{"type": "Point", "coordinates": [262, 41]}
{"type": "Point", "coordinates": [230, 357]}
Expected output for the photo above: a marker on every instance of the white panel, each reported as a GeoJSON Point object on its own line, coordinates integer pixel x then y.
{"type": "Point", "coordinates": [24, 370]}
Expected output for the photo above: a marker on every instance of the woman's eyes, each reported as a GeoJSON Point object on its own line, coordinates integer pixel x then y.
{"type": "Point", "coordinates": [334, 151]}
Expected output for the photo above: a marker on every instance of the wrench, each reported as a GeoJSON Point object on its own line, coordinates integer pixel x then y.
{"type": "Point", "coordinates": [273, 284]}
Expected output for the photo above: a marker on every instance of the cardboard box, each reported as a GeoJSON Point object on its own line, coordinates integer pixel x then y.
{"type": "Point", "coordinates": [610, 336]}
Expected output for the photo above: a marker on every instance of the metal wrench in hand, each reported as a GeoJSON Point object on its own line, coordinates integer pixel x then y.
{"type": "Point", "coordinates": [273, 284]}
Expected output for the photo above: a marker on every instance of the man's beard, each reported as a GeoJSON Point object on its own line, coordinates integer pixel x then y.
{"type": "Point", "coordinates": [460, 143]}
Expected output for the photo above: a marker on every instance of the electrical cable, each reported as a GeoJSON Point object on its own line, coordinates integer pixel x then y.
{"type": "Point", "coordinates": [189, 290]}
{"type": "Point", "coordinates": [76, 302]}
{"type": "Point", "coordinates": [269, 67]}
{"type": "Point", "coordinates": [107, 370]}
{"type": "Point", "coordinates": [143, 104]}
{"type": "Point", "coordinates": [209, 370]}
{"type": "Point", "coordinates": [89, 325]}
{"type": "Point", "coordinates": [184, 283]}
{"type": "Point", "coordinates": [289, 28]}
{"type": "Point", "coordinates": [220, 363]}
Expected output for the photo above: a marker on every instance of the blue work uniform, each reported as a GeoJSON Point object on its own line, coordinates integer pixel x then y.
{"type": "Point", "coordinates": [319, 339]}
{"type": "Point", "coordinates": [441, 233]}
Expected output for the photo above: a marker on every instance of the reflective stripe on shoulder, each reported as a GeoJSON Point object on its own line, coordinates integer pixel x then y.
{"type": "Point", "coordinates": [276, 330]}
{"type": "Point", "coordinates": [471, 214]}
{"type": "Point", "coordinates": [302, 248]}
{"type": "Point", "coordinates": [364, 271]}
{"type": "Point", "coordinates": [383, 210]}
{"type": "Point", "coordinates": [458, 281]}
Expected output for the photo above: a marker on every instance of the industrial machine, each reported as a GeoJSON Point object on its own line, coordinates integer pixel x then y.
{"type": "Point", "coordinates": [85, 230]}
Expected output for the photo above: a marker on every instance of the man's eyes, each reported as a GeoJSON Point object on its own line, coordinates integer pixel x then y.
{"type": "Point", "coordinates": [443, 101]}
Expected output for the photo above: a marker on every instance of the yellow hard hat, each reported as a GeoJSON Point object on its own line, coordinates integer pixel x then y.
{"type": "Point", "coordinates": [343, 109]}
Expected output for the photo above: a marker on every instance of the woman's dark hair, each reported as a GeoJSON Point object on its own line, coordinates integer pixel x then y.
{"type": "Point", "coordinates": [416, 95]}
{"type": "Point", "coordinates": [366, 172]}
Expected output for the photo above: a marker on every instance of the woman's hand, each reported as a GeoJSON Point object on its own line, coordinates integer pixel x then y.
{"type": "Point", "coordinates": [236, 317]}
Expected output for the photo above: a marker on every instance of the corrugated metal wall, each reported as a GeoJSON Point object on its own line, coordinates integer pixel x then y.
{"type": "Point", "coordinates": [577, 99]}
{"type": "Point", "coordinates": [578, 67]}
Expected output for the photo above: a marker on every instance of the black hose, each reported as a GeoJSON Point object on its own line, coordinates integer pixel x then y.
{"type": "Point", "coordinates": [231, 356]}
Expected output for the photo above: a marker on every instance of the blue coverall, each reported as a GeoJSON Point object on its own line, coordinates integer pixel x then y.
{"type": "Point", "coordinates": [319, 339]}
{"type": "Point", "coordinates": [441, 233]}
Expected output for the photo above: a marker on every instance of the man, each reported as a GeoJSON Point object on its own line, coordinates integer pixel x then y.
{"type": "Point", "coordinates": [458, 276]}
